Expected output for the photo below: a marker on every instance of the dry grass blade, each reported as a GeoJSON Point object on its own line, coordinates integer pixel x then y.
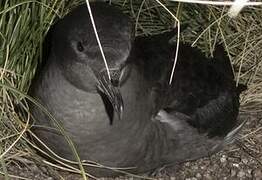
{"type": "Point", "coordinates": [217, 3]}
{"type": "Point", "coordinates": [97, 38]}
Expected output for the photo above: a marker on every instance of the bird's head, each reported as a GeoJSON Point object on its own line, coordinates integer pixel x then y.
{"type": "Point", "coordinates": [78, 54]}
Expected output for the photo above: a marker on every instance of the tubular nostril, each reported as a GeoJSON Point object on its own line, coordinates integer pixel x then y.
{"type": "Point", "coordinates": [115, 82]}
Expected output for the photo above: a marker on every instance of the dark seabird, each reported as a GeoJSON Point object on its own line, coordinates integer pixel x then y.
{"type": "Point", "coordinates": [75, 52]}
{"type": "Point", "coordinates": [161, 124]}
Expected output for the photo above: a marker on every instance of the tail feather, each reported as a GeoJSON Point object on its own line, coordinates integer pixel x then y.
{"type": "Point", "coordinates": [223, 62]}
{"type": "Point", "coordinates": [229, 138]}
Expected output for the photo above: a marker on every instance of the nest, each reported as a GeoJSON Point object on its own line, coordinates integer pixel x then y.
{"type": "Point", "coordinates": [24, 25]}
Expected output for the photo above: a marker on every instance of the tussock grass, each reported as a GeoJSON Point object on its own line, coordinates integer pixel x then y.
{"type": "Point", "coordinates": [24, 25]}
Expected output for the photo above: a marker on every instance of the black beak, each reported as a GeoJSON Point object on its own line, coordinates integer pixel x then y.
{"type": "Point", "coordinates": [111, 95]}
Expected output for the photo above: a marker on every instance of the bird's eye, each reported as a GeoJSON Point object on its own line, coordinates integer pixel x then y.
{"type": "Point", "coordinates": [80, 46]}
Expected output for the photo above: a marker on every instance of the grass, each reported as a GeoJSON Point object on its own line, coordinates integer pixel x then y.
{"type": "Point", "coordinates": [24, 25]}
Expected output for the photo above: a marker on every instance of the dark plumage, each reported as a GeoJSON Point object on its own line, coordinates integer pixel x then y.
{"type": "Point", "coordinates": [203, 88]}
{"type": "Point", "coordinates": [161, 124]}
{"type": "Point", "coordinates": [75, 52]}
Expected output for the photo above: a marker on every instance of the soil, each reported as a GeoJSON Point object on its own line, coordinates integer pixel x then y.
{"type": "Point", "coordinates": [241, 160]}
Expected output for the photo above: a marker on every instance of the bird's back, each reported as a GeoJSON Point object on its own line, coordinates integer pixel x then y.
{"type": "Point", "coordinates": [203, 88]}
